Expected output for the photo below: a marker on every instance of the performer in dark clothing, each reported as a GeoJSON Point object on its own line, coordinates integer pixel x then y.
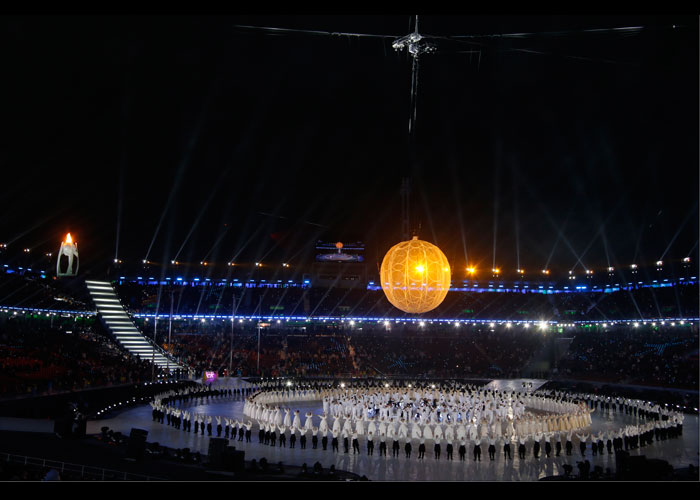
{"type": "Point", "coordinates": [261, 435]}
{"type": "Point", "coordinates": [421, 451]}
{"type": "Point", "coordinates": [292, 440]}
{"type": "Point", "coordinates": [521, 451]}
{"type": "Point", "coordinates": [240, 433]}
{"type": "Point", "coordinates": [283, 440]}
{"type": "Point", "coordinates": [449, 451]}
{"type": "Point", "coordinates": [314, 442]}
{"type": "Point", "coordinates": [407, 449]}
{"type": "Point", "coordinates": [436, 449]}
{"type": "Point", "coordinates": [477, 451]}
{"type": "Point", "coordinates": [370, 445]}
{"type": "Point", "coordinates": [506, 450]}
{"type": "Point", "coordinates": [569, 446]}
{"type": "Point", "coordinates": [302, 441]}
{"type": "Point", "coordinates": [492, 451]}
{"type": "Point", "coordinates": [536, 449]}
{"type": "Point", "coordinates": [355, 445]}
{"type": "Point", "coordinates": [395, 447]}
{"type": "Point", "coordinates": [346, 444]}
{"type": "Point", "coordinates": [462, 451]}
{"type": "Point", "coordinates": [547, 448]}
{"type": "Point", "coordinates": [334, 444]}
{"type": "Point", "coordinates": [324, 442]}
{"type": "Point", "coordinates": [382, 448]}
{"type": "Point", "coordinates": [273, 438]}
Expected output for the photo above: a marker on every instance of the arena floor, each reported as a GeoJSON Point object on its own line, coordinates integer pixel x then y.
{"type": "Point", "coordinates": [678, 452]}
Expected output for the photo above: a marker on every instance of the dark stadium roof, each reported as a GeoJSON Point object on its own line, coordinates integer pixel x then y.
{"type": "Point", "coordinates": [187, 138]}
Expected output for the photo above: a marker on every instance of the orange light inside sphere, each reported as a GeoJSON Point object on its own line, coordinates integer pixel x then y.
{"type": "Point", "coordinates": [69, 240]}
{"type": "Point", "coordinates": [415, 276]}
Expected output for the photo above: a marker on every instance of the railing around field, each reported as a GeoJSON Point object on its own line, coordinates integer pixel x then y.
{"type": "Point", "coordinates": [85, 471]}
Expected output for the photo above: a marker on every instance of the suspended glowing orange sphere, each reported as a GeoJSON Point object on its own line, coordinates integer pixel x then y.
{"type": "Point", "coordinates": [415, 276]}
{"type": "Point", "coordinates": [339, 245]}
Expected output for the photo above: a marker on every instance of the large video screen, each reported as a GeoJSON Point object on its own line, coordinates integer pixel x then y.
{"type": "Point", "coordinates": [340, 252]}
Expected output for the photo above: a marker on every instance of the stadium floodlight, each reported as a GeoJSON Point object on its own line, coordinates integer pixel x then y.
{"type": "Point", "coordinates": [636, 325]}
{"type": "Point", "coordinates": [496, 270]}
{"type": "Point", "coordinates": [471, 270]}
{"type": "Point", "coordinates": [611, 269]}
{"type": "Point", "coordinates": [659, 262]}
{"type": "Point", "coordinates": [257, 264]}
{"type": "Point", "coordinates": [509, 324]}
{"type": "Point", "coordinates": [687, 259]}
{"type": "Point", "coordinates": [634, 266]}
{"type": "Point", "coordinates": [521, 271]}
{"type": "Point", "coordinates": [545, 271]}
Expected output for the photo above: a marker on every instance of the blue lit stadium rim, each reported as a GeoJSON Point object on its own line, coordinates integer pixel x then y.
{"type": "Point", "coordinates": [456, 322]}
{"type": "Point", "coordinates": [466, 285]}
{"type": "Point", "coordinates": [365, 320]}
{"type": "Point", "coordinates": [48, 312]}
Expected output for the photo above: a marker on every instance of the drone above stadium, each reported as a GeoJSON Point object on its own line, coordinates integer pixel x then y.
{"type": "Point", "coordinates": [318, 248]}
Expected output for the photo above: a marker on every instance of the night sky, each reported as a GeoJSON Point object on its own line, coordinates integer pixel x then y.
{"type": "Point", "coordinates": [174, 136]}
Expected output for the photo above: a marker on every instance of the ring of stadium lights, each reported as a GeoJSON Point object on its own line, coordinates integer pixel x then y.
{"type": "Point", "coordinates": [360, 319]}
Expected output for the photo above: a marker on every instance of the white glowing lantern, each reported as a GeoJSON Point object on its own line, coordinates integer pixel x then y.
{"type": "Point", "coordinates": [69, 248]}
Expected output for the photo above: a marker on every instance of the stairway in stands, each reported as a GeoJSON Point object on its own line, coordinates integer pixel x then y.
{"type": "Point", "coordinates": [123, 328]}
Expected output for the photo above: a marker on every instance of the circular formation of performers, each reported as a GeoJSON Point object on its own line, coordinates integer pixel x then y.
{"type": "Point", "coordinates": [460, 416]}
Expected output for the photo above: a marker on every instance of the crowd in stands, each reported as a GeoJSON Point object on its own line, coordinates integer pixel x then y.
{"type": "Point", "coordinates": [642, 303]}
{"type": "Point", "coordinates": [656, 355]}
{"type": "Point", "coordinates": [32, 291]}
{"type": "Point", "coordinates": [40, 354]}
{"type": "Point", "coordinates": [47, 355]}
{"type": "Point", "coordinates": [659, 356]}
